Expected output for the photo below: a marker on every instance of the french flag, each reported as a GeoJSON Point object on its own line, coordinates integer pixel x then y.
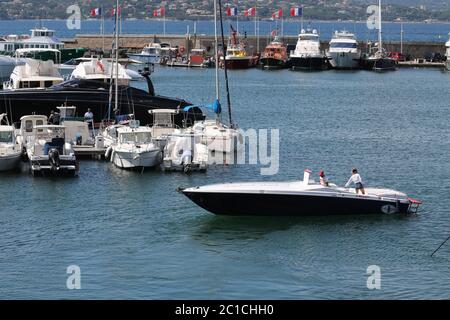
{"type": "Point", "coordinates": [161, 12]}
{"type": "Point", "coordinates": [296, 12]}
{"type": "Point", "coordinates": [250, 12]}
{"type": "Point", "coordinates": [232, 12]}
{"type": "Point", "coordinates": [277, 14]}
{"type": "Point", "coordinates": [119, 11]}
{"type": "Point", "coordinates": [96, 12]}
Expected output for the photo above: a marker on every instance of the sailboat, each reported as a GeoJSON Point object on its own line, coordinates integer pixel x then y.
{"type": "Point", "coordinates": [378, 60]}
{"type": "Point", "coordinates": [218, 136]}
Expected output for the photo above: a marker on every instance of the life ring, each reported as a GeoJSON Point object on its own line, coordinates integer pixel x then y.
{"type": "Point", "coordinates": [182, 49]}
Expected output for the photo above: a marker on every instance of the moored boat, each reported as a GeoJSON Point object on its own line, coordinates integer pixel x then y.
{"type": "Point", "coordinates": [10, 149]}
{"type": "Point", "coordinates": [307, 55]}
{"type": "Point", "coordinates": [344, 53]}
{"type": "Point", "coordinates": [274, 55]}
{"type": "Point", "coordinates": [447, 54]}
{"type": "Point", "coordinates": [236, 56]}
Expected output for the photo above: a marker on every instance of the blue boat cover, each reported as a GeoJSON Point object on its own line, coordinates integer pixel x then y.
{"type": "Point", "coordinates": [215, 106]}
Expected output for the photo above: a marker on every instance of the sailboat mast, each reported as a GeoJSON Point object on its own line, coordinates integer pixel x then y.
{"type": "Point", "coordinates": [216, 48]}
{"type": "Point", "coordinates": [225, 67]}
{"type": "Point", "coordinates": [380, 40]}
{"type": "Point", "coordinates": [117, 57]}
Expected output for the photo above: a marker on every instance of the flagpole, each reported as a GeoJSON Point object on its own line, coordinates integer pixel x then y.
{"type": "Point", "coordinates": [103, 29]}
{"type": "Point", "coordinates": [164, 21]}
{"type": "Point", "coordinates": [237, 17]}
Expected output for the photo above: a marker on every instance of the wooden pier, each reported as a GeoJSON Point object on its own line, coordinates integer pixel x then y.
{"type": "Point", "coordinates": [89, 152]}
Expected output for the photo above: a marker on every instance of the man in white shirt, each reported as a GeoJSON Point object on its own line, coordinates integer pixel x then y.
{"type": "Point", "coordinates": [357, 181]}
{"type": "Point", "coordinates": [89, 118]}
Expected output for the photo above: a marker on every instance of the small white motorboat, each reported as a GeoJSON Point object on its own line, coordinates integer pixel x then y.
{"type": "Point", "coordinates": [49, 153]}
{"type": "Point", "coordinates": [185, 152]}
{"type": "Point", "coordinates": [10, 150]}
{"type": "Point", "coordinates": [134, 148]}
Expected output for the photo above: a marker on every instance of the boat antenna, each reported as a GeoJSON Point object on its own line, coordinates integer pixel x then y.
{"type": "Point", "coordinates": [442, 244]}
{"type": "Point", "coordinates": [225, 66]}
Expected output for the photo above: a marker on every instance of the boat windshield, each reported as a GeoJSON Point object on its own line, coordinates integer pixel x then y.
{"type": "Point", "coordinates": [309, 37]}
{"type": "Point", "coordinates": [345, 45]}
{"type": "Point", "coordinates": [136, 137]}
{"type": "Point", "coordinates": [6, 136]}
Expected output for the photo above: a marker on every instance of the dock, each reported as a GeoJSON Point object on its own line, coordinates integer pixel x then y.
{"type": "Point", "coordinates": [421, 63]}
{"type": "Point", "coordinates": [89, 152]}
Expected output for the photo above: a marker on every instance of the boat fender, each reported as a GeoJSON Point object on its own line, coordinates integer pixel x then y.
{"type": "Point", "coordinates": [108, 153]}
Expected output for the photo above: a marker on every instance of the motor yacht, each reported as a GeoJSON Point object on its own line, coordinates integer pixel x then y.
{"type": "Point", "coordinates": [10, 149]}
{"type": "Point", "coordinates": [344, 52]}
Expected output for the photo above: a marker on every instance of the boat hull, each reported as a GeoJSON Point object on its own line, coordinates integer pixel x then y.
{"type": "Point", "coordinates": [272, 63]}
{"type": "Point", "coordinates": [10, 162]}
{"type": "Point", "coordinates": [344, 60]}
{"type": "Point", "coordinates": [41, 166]}
{"type": "Point", "coordinates": [25, 102]}
{"type": "Point", "coordinates": [129, 160]}
{"type": "Point", "coordinates": [147, 59]}
{"type": "Point", "coordinates": [257, 204]}
{"type": "Point", "coordinates": [447, 64]}
{"type": "Point", "coordinates": [309, 63]}
{"type": "Point", "coordinates": [239, 64]}
{"type": "Point", "coordinates": [380, 64]}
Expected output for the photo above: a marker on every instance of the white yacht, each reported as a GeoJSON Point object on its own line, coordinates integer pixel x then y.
{"type": "Point", "coordinates": [10, 150]}
{"type": "Point", "coordinates": [134, 148]}
{"type": "Point", "coordinates": [49, 153]}
{"type": "Point", "coordinates": [447, 54]}
{"type": "Point", "coordinates": [42, 39]}
{"type": "Point", "coordinates": [307, 54]}
{"type": "Point", "coordinates": [101, 70]}
{"type": "Point", "coordinates": [34, 74]}
{"type": "Point", "coordinates": [344, 52]}
{"type": "Point", "coordinates": [150, 54]}
{"type": "Point", "coordinates": [7, 65]}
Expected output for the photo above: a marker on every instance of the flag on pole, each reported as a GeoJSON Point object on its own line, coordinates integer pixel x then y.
{"type": "Point", "coordinates": [297, 12]}
{"type": "Point", "coordinates": [119, 12]}
{"type": "Point", "coordinates": [161, 12]}
{"type": "Point", "coordinates": [96, 12]}
{"type": "Point", "coordinates": [232, 12]}
{"type": "Point", "coordinates": [250, 12]}
{"type": "Point", "coordinates": [277, 14]}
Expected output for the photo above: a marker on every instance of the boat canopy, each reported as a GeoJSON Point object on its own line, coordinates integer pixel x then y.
{"type": "Point", "coordinates": [215, 106]}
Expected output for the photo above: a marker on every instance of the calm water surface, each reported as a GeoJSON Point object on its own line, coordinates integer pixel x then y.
{"type": "Point", "coordinates": [134, 236]}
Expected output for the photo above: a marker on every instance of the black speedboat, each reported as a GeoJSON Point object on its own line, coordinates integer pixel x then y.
{"type": "Point", "coordinates": [95, 95]}
{"type": "Point", "coordinates": [297, 199]}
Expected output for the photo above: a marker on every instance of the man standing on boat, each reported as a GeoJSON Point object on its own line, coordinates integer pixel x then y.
{"type": "Point", "coordinates": [357, 181]}
{"type": "Point", "coordinates": [89, 118]}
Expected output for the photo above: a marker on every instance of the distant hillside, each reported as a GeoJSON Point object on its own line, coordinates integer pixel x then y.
{"type": "Point", "coordinates": [332, 10]}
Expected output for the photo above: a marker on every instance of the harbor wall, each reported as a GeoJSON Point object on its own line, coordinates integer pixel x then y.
{"type": "Point", "coordinates": [137, 42]}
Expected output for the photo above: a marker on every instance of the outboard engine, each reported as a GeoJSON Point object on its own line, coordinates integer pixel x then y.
{"type": "Point", "coordinates": [146, 74]}
{"type": "Point", "coordinates": [53, 156]}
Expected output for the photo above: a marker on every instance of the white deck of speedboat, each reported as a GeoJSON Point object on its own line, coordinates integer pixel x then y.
{"type": "Point", "coordinates": [297, 188]}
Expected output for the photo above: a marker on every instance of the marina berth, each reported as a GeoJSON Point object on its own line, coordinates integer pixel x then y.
{"type": "Point", "coordinates": [297, 198]}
